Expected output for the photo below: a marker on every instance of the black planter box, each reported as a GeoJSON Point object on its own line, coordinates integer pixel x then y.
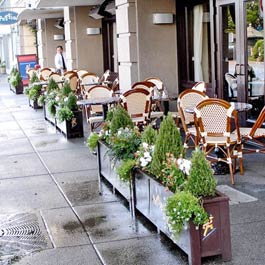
{"type": "Point", "coordinates": [47, 116]}
{"type": "Point", "coordinates": [34, 104]}
{"type": "Point", "coordinates": [72, 128]}
{"type": "Point", "coordinates": [150, 198]}
{"type": "Point", "coordinates": [19, 89]}
{"type": "Point", "coordinates": [106, 167]}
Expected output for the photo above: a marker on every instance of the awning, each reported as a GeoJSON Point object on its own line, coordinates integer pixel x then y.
{"type": "Point", "coordinates": [29, 14]}
{"type": "Point", "coordinates": [62, 3]}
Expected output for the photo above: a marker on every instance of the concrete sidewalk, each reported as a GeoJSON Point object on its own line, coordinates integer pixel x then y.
{"type": "Point", "coordinates": [49, 186]}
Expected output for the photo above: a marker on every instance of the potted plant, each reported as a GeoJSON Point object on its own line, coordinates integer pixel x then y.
{"type": "Point", "coordinates": [15, 81]}
{"type": "Point", "coordinates": [116, 146]}
{"type": "Point", "coordinates": [34, 91]}
{"type": "Point", "coordinates": [69, 118]}
{"type": "Point", "coordinates": [176, 193]}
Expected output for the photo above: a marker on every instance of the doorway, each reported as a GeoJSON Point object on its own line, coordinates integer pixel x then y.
{"type": "Point", "coordinates": [240, 53]}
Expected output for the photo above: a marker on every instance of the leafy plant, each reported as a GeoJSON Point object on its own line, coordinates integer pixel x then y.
{"type": "Point", "coordinates": [201, 182]}
{"type": "Point", "coordinates": [181, 208]}
{"type": "Point", "coordinates": [71, 101]}
{"type": "Point", "coordinates": [149, 135]}
{"type": "Point", "coordinates": [52, 106]}
{"type": "Point", "coordinates": [41, 100]}
{"type": "Point", "coordinates": [120, 119]}
{"type": "Point", "coordinates": [258, 50]}
{"type": "Point", "coordinates": [34, 92]}
{"type": "Point", "coordinates": [16, 79]}
{"type": "Point", "coordinates": [125, 143]}
{"type": "Point", "coordinates": [66, 89]}
{"type": "Point", "coordinates": [167, 141]}
{"type": "Point", "coordinates": [92, 140]}
{"type": "Point", "coordinates": [124, 170]}
{"type": "Point", "coordinates": [64, 114]}
{"type": "Point", "coordinates": [52, 85]}
{"type": "Point", "coordinates": [34, 78]}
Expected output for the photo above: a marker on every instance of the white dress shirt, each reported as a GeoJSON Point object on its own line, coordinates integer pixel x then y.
{"type": "Point", "coordinates": [59, 61]}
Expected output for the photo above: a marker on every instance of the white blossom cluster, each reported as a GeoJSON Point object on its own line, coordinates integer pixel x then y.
{"type": "Point", "coordinates": [146, 154]}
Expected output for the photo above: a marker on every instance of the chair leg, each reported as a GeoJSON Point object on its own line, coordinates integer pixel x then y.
{"type": "Point", "coordinates": [229, 162]}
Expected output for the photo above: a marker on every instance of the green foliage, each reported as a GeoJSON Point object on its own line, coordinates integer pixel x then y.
{"type": "Point", "coordinates": [52, 106]}
{"type": "Point", "coordinates": [167, 141]}
{"type": "Point", "coordinates": [253, 16]}
{"type": "Point", "coordinates": [201, 181]}
{"type": "Point", "coordinates": [92, 141]}
{"type": "Point", "coordinates": [71, 101]}
{"type": "Point", "coordinates": [34, 92]}
{"type": "Point", "coordinates": [149, 135]}
{"type": "Point", "coordinates": [34, 78]}
{"type": "Point", "coordinates": [41, 100]}
{"type": "Point", "coordinates": [124, 170]}
{"type": "Point", "coordinates": [64, 114]}
{"type": "Point", "coordinates": [125, 143]}
{"type": "Point", "coordinates": [181, 208]}
{"type": "Point", "coordinates": [66, 89]}
{"type": "Point", "coordinates": [26, 91]}
{"type": "Point", "coordinates": [120, 119]}
{"type": "Point", "coordinates": [15, 79]}
{"type": "Point", "coordinates": [258, 50]}
{"type": "Point", "coordinates": [171, 175]}
{"type": "Point", "coordinates": [52, 85]}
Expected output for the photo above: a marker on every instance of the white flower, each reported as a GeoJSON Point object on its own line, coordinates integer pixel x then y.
{"type": "Point", "coordinates": [146, 154]}
{"type": "Point", "coordinates": [145, 145]}
{"type": "Point", "coordinates": [143, 162]}
{"type": "Point", "coordinates": [184, 165]}
{"type": "Point", "coordinates": [57, 98]}
{"type": "Point", "coordinates": [66, 99]}
{"type": "Point", "coordinates": [119, 132]}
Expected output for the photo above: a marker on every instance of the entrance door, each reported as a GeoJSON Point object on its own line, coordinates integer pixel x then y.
{"type": "Point", "coordinates": [240, 46]}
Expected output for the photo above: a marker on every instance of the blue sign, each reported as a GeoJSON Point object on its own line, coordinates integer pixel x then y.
{"type": "Point", "coordinates": [8, 17]}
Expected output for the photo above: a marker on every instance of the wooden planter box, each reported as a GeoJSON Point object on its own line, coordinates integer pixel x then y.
{"type": "Point", "coordinates": [19, 89]}
{"type": "Point", "coordinates": [149, 199]}
{"type": "Point", "coordinates": [34, 104]}
{"type": "Point", "coordinates": [72, 128]}
{"type": "Point", "coordinates": [106, 167]}
{"type": "Point", "coordinates": [47, 116]}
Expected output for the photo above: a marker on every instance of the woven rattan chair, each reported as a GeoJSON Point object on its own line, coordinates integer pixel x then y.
{"type": "Point", "coordinates": [81, 72]}
{"type": "Point", "coordinates": [254, 136]}
{"type": "Point", "coordinates": [73, 82]}
{"type": "Point", "coordinates": [86, 82]}
{"type": "Point", "coordinates": [137, 102]}
{"type": "Point", "coordinates": [187, 101]}
{"type": "Point", "coordinates": [94, 113]}
{"type": "Point", "coordinates": [69, 73]}
{"type": "Point", "coordinates": [200, 86]}
{"type": "Point", "coordinates": [45, 73]}
{"type": "Point", "coordinates": [213, 120]}
{"type": "Point", "coordinates": [57, 78]}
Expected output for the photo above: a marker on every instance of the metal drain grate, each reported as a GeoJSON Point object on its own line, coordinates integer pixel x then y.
{"type": "Point", "coordinates": [20, 235]}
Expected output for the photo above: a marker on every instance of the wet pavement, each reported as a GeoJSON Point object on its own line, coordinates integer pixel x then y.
{"type": "Point", "coordinates": [50, 185]}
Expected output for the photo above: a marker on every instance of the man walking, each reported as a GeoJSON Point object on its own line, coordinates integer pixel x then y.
{"type": "Point", "coordinates": [59, 60]}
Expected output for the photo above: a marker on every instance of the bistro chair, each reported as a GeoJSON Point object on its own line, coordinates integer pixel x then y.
{"type": "Point", "coordinates": [30, 72]}
{"type": "Point", "coordinates": [57, 78]}
{"type": "Point", "coordinates": [45, 73]}
{"type": "Point", "coordinates": [213, 120]}
{"type": "Point", "coordinates": [254, 136]}
{"type": "Point", "coordinates": [200, 86]}
{"type": "Point", "coordinates": [187, 101]}
{"type": "Point", "coordinates": [69, 73]}
{"type": "Point", "coordinates": [73, 82]}
{"type": "Point", "coordinates": [81, 72]}
{"type": "Point", "coordinates": [156, 110]}
{"type": "Point", "coordinates": [87, 81]}
{"type": "Point", "coordinates": [94, 113]}
{"type": "Point", "coordinates": [137, 102]}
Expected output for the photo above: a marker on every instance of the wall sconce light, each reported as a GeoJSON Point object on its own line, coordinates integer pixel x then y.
{"type": "Point", "coordinates": [92, 31]}
{"type": "Point", "coordinates": [58, 37]}
{"type": "Point", "coordinates": [163, 18]}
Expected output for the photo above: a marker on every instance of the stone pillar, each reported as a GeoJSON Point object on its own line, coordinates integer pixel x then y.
{"type": "Point", "coordinates": [41, 42]}
{"type": "Point", "coordinates": [127, 43]}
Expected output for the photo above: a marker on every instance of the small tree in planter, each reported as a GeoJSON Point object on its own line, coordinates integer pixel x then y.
{"type": "Point", "coordinates": [33, 91]}
{"type": "Point", "coordinates": [15, 80]}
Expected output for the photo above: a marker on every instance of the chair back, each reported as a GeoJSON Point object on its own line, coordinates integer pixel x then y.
{"type": "Point", "coordinates": [45, 73]}
{"type": "Point", "coordinates": [213, 118]}
{"type": "Point", "coordinates": [104, 77]}
{"type": "Point", "coordinates": [149, 86]}
{"type": "Point", "coordinates": [200, 86]}
{"type": "Point", "coordinates": [137, 102]}
{"type": "Point", "coordinates": [98, 91]}
{"type": "Point", "coordinates": [30, 72]}
{"type": "Point", "coordinates": [69, 73]}
{"type": "Point", "coordinates": [158, 82]}
{"type": "Point", "coordinates": [188, 99]}
{"type": "Point", "coordinates": [81, 72]}
{"type": "Point", "coordinates": [86, 82]}
{"type": "Point", "coordinates": [56, 77]}
{"type": "Point", "coordinates": [73, 82]}
{"type": "Point", "coordinates": [258, 123]}
{"type": "Point", "coordinates": [232, 85]}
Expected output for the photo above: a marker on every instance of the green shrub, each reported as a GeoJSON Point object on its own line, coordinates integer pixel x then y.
{"type": "Point", "coordinates": [66, 89]}
{"type": "Point", "coordinates": [15, 79]}
{"type": "Point", "coordinates": [34, 92]}
{"type": "Point", "coordinates": [258, 50]}
{"type": "Point", "coordinates": [52, 85]}
{"type": "Point", "coordinates": [124, 170]}
{"type": "Point", "coordinates": [167, 141]}
{"type": "Point", "coordinates": [41, 100]}
{"type": "Point", "coordinates": [120, 119]}
{"type": "Point", "coordinates": [34, 78]}
{"type": "Point", "coordinates": [149, 135]}
{"type": "Point", "coordinates": [92, 141]}
{"type": "Point", "coordinates": [201, 182]}
{"type": "Point", "coordinates": [52, 106]}
{"type": "Point", "coordinates": [64, 114]}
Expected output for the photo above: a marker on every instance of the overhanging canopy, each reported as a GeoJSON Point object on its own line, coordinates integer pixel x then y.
{"type": "Point", "coordinates": [62, 3]}
{"type": "Point", "coordinates": [28, 14]}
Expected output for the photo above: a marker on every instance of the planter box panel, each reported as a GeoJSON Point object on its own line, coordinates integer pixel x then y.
{"type": "Point", "coordinates": [103, 161]}
{"type": "Point", "coordinates": [34, 104]}
{"type": "Point", "coordinates": [72, 128]}
{"type": "Point", "coordinates": [48, 116]}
